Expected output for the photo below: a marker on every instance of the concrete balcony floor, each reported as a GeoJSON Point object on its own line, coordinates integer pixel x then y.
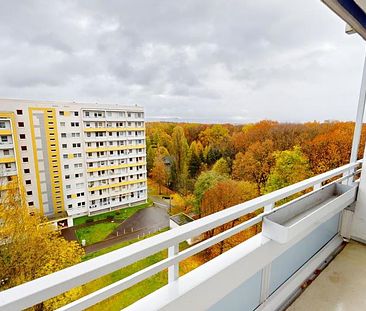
{"type": "Point", "coordinates": [341, 286]}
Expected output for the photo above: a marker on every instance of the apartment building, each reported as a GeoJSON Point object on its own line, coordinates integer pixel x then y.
{"type": "Point", "coordinates": [73, 159]}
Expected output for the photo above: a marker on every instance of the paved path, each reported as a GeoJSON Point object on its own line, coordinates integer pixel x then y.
{"type": "Point", "coordinates": [146, 221]}
{"type": "Point", "coordinates": [150, 217]}
{"type": "Point", "coordinates": [143, 222]}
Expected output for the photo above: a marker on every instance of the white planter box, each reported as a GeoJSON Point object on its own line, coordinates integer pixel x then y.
{"type": "Point", "coordinates": [305, 213]}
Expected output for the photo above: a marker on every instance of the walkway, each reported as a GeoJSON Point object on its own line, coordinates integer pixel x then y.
{"type": "Point", "coordinates": [145, 221]}
{"type": "Point", "coordinates": [340, 287]}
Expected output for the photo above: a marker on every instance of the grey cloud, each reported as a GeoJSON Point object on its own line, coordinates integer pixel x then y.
{"type": "Point", "coordinates": [211, 60]}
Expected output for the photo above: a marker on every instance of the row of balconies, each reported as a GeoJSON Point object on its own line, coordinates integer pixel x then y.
{"type": "Point", "coordinates": [117, 118]}
{"type": "Point", "coordinates": [114, 175]}
{"type": "Point", "coordinates": [107, 193]}
{"type": "Point", "coordinates": [122, 136]}
{"type": "Point", "coordinates": [114, 157]}
{"type": "Point", "coordinates": [139, 176]}
{"type": "Point", "coordinates": [117, 199]}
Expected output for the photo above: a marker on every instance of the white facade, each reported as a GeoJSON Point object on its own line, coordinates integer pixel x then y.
{"type": "Point", "coordinates": [75, 158]}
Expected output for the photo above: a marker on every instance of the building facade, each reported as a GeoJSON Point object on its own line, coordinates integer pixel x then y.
{"type": "Point", "coordinates": [73, 159]}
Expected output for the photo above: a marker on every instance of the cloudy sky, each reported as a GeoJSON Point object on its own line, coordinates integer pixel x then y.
{"type": "Point", "coordinates": [196, 60]}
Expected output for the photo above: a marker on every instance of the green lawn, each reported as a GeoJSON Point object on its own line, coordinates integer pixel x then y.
{"type": "Point", "coordinates": [118, 246]}
{"type": "Point", "coordinates": [118, 215]}
{"type": "Point", "coordinates": [96, 233]}
{"type": "Point", "coordinates": [136, 292]}
{"type": "Point", "coordinates": [126, 297]}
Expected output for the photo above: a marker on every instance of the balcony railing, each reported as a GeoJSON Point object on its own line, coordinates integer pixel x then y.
{"type": "Point", "coordinates": [258, 272]}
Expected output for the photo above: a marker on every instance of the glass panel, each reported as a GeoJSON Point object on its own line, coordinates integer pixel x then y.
{"type": "Point", "coordinates": [244, 298]}
{"type": "Point", "coordinates": [295, 257]}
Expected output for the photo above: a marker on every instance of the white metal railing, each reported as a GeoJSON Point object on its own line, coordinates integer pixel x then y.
{"type": "Point", "coordinates": [46, 287]}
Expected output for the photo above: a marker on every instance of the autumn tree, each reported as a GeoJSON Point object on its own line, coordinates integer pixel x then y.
{"type": "Point", "coordinates": [205, 181]}
{"type": "Point", "coordinates": [238, 142]}
{"type": "Point", "coordinates": [222, 195]}
{"type": "Point", "coordinates": [331, 149]}
{"type": "Point", "coordinates": [221, 167]}
{"type": "Point", "coordinates": [180, 154]}
{"type": "Point", "coordinates": [291, 166]}
{"type": "Point", "coordinates": [255, 164]}
{"type": "Point", "coordinates": [30, 248]}
{"type": "Point", "coordinates": [159, 172]}
{"type": "Point", "coordinates": [195, 158]}
{"type": "Point", "coordinates": [260, 131]}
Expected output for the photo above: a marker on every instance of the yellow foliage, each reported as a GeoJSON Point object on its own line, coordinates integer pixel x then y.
{"type": "Point", "coordinates": [31, 249]}
{"type": "Point", "coordinates": [182, 204]}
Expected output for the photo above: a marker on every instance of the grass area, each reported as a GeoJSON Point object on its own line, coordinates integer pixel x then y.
{"type": "Point", "coordinates": [118, 246]}
{"type": "Point", "coordinates": [96, 233]}
{"type": "Point", "coordinates": [136, 292]}
{"type": "Point", "coordinates": [118, 215]}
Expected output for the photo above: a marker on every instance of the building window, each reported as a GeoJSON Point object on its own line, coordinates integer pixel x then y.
{"type": "Point", "coordinates": [29, 192]}
{"type": "Point", "coordinates": [61, 113]}
{"type": "Point", "coordinates": [22, 136]}
{"type": "Point", "coordinates": [63, 135]}
{"type": "Point", "coordinates": [26, 171]}
{"type": "Point", "coordinates": [62, 123]}
{"type": "Point", "coordinates": [30, 203]}
{"type": "Point", "coordinates": [76, 113]}
{"type": "Point", "coordinates": [68, 186]}
{"type": "Point", "coordinates": [7, 165]}
{"type": "Point", "coordinates": [6, 152]}
{"type": "Point", "coordinates": [19, 112]}
{"type": "Point", "coordinates": [64, 146]}
{"type": "Point", "coordinates": [28, 182]}
{"type": "Point", "coordinates": [66, 166]}
{"type": "Point", "coordinates": [69, 206]}
{"type": "Point", "coordinates": [2, 125]}
{"type": "Point", "coordinates": [24, 148]}
{"type": "Point", "coordinates": [25, 160]}
{"type": "Point", "coordinates": [67, 176]}
{"type": "Point", "coordinates": [4, 139]}
{"type": "Point", "coordinates": [21, 124]}
{"type": "Point", "coordinates": [68, 196]}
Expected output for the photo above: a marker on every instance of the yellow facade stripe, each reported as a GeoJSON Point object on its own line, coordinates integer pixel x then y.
{"type": "Point", "coordinates": [35, 157]}
{"type": "Point", "coordinates": [113, 129]}
{"type": "Point", "coordinates": [5, 132]}
{"type": "Point", "coordinates": [115, 148]}
{"type": "Point", "coordinates": [104, 168]}
{"type": "Point", "coordinates": [7, 160]}
{"type": "Point", "coordinates": [54, 159]}
{"type": "Point", "coordinates": [123, 183]}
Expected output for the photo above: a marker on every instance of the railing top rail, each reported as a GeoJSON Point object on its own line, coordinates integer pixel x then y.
{"type": "Point", "coordinates": [51, 285]}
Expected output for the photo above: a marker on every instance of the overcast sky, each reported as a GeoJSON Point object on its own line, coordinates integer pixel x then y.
{"type": "Point", "coordinates": [195, 60]}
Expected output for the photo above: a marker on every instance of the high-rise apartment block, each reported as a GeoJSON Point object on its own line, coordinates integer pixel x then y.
{"type": "Point", "coordinates": [73, 159]}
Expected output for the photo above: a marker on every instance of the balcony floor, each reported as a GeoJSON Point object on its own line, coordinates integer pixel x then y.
{"type": "Point", "coordinates": [340, 287]}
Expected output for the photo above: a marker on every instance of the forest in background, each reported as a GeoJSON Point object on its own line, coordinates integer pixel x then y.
{"type": "Point", "coordinates": [207, 168]}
